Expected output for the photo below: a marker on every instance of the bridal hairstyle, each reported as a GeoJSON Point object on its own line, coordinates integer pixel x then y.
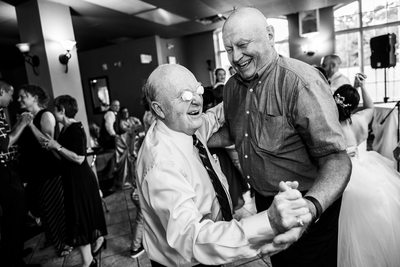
{"type": "Point", "coordinates": [347, 99]}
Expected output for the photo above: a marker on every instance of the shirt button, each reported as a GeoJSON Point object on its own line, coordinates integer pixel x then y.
{"type": "Point", "coordinates": [247, 112]}
{"type": "Point", "coordinates": [259, 82]}
{"type": "Point", "coordinates": [248, 176]}
{"type": "Point", "coordinates": [246, 134]}
{"type": "Point", "coordinates": [245, 156]}
{"type": "Point", "coordinates": [251, 90]}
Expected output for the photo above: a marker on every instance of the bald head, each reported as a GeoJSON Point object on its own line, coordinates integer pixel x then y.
{"type": "Point", "coordinates": [331, 64]}
{"type": "Point", "coordinates": [249, 41]}
{"type": "Point", "coordinates": [247, 17]}
{"type": "Point", "coordinates": [164, 80]}
{"type": "Point", "coordinates": [115, 105]}
{"type": "Point", "coordinates": [174, 97]}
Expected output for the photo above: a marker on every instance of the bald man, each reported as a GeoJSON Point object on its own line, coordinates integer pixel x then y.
{"type": "Point", "coordinates": [183, 193]}
{"type": "Point", "coordinates": [331, 64]}
{"type": "Point", "coordinates": [281, 116]}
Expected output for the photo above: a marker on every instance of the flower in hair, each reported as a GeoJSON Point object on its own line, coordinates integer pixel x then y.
{"type": "Point", "coordinates": [340, 101]}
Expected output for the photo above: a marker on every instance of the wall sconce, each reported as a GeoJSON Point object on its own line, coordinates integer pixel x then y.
{"type": "Point", "coordinates": [68, 45]}
{"type": "Point", "coordinates": [170, 46]}
{"type": "Point", "coordinates": [34, 61]}
{"type": "Point", "coordinates": [308, 50]}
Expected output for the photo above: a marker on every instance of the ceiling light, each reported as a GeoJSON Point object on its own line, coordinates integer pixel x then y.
{"type": "Point", "coordinates": [128, 7]}
{"type": "Point", "coordinates": [32, 60]}
{"type": "Point", "coordinates": [161, 16]}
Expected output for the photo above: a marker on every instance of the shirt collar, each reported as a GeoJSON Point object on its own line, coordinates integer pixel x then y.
{"type": "Point", "coordinates": [263, 71]}
{"type": "Point", "coordinates": [182, 140]}
{"type": "Point", "coordinates": [335, 75]}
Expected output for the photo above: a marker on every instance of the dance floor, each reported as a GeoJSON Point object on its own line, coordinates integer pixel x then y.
{"type": "Point", "coordinates": [120, 220]}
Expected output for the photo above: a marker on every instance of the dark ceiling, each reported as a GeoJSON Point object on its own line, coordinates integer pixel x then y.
{"type": "Point", "coordinates": [97, 26]}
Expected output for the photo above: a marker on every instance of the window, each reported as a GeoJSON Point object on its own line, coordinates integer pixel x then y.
{"type": "Point", "coordinates": [281, 31]}
{"type": "Point", "coordinates": [378, 17]}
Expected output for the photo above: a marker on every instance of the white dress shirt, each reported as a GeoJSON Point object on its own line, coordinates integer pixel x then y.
{"type": "Point", "coordinates": [337, 80]}
{"type": "Point", "coordinates": [182, 215]}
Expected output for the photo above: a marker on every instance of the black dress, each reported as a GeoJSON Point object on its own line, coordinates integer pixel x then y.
{"type": "Point", "coordinates": [84, 211]}
{"type": "Point", "coordinates": [44, 192]}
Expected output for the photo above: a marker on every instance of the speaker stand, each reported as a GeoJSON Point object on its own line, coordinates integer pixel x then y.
{"type": "Point", "coordinates": [385, 99]}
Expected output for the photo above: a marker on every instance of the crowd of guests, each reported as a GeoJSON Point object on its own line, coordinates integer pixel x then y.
{"type": "Point", "coordinates": [292, 134]}
{"type": "Point", "coordinates": [61, 188]}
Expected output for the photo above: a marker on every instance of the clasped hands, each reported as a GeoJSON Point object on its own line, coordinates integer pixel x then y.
{"type": "Point", "coordinates": [49, 143]}
{"type": "Point", "coordinates": [25, 118]}
{"type": "Point", "coordinates": [289, 217]}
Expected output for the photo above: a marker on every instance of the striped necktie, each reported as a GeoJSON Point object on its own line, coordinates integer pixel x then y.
{"type": "Point", "coordinates": [219, 189]}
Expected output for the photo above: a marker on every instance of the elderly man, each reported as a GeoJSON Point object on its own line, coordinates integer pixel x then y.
{"type": "Point", "coordinates": [183, 193]}
{"type": "Point", "coordinates": [331, 65]}
{"type": "Point", "coordinates": [11, 190]}
{"type": "Point", "coordinates": [109, 126]}
{"type": "Point", "coordinates": [284, 123]}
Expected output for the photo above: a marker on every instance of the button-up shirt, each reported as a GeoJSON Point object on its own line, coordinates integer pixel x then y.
{"type": "Point", "coordinates": [337, 80]}
{"type": "Point", "coordinates": [181, 212]}
{"type": "Point", "coordinates": [6, 154]}
{"type": "Point", "coordinates": [282, 121]}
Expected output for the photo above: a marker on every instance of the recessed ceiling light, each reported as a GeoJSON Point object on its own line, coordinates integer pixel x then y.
{"type": "Point", "coordinates": [128, 7]}
{"type": "Point", "coordinates": [162, 16]}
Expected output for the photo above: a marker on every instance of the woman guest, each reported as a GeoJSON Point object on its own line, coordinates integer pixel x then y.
{"type": "Point", "coordinates": [84, 212]}
{"type": "Point", "coordinates": [369, 229]}
{"type": "Point", "coordinates": [39, 167]}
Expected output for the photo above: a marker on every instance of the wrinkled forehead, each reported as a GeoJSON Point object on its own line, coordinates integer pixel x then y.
{"type": "Point", "coordinates": [172, 80]}
{"type": "Point", "coordinates": [244, 24]}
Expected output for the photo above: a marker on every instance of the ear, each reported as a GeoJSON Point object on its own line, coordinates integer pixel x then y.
{"type": "Point", "coordinates": [1, 91]}
{"type": "Point", "coordinates": [158, 109]}
{"type": "Point", "coordinates": [270, 32]}
{"type": "Point", "coordinates": [62, 111]}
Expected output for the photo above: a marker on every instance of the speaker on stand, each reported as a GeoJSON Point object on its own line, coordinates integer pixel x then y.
{"type": "Point", "coordinates": [383, 54]}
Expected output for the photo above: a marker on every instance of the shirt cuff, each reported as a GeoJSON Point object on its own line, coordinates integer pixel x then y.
{"type": "Point", "coordinates": [257, 228]}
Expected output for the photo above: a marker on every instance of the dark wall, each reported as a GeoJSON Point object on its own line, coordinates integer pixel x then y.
{"type": "Point", "coordinates": [199, 49]}
{"type": "Point", "coordinates": [126, 75]}
{"type": "Point", "coordinates": [175, 47]}
{"type": "Point", "coordinates": [193, 52]}
{"type": "Point", "coordinates": [322, 43]}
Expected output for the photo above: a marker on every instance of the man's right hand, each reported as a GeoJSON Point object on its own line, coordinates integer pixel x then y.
{"type": "Point", "coordinates": [289, 216]}
{"type": "Point", "coordinates": [288, 209]}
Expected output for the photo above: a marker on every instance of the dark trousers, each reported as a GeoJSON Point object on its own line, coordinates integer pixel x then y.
{"type": "Point", "coordinates": [317, 246]}
{"type": "Point", "coordinates": [12, 203]}
{"type": "Point", "coordinates": [156, 264]}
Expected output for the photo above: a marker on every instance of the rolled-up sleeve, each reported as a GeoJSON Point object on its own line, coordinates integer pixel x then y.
{"type": "Point", "coordinates": [192, 235]}
{"type": "Point", "coordinates": [213, 119]}
{"type": "Point", "coordinates": [316, 118]}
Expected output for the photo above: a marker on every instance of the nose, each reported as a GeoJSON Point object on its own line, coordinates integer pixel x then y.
{"type": "Point", "coordinates": [197, 99]}
{"type": "Point", "coordinates": [236, 55]}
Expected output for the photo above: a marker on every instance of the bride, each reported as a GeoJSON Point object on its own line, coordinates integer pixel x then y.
{"type": "Point", "coordinates": [369, 228]}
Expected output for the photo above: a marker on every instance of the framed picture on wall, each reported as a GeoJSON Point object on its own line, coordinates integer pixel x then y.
{"type": "Point", "coordinates": [308, 22]}
{"type": "Point", "coordinates": [99, 90]}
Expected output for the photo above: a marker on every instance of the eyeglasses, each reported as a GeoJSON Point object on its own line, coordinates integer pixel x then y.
{"type": "Point", "coordinates": [188, 95]}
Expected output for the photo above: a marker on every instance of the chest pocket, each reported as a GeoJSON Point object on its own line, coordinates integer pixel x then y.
{"type": "Point", "coordinates": [269, 132]}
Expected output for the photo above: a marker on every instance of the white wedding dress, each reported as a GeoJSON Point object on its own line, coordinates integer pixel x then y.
{"type": "Point", "coordinates": [369, 221]}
